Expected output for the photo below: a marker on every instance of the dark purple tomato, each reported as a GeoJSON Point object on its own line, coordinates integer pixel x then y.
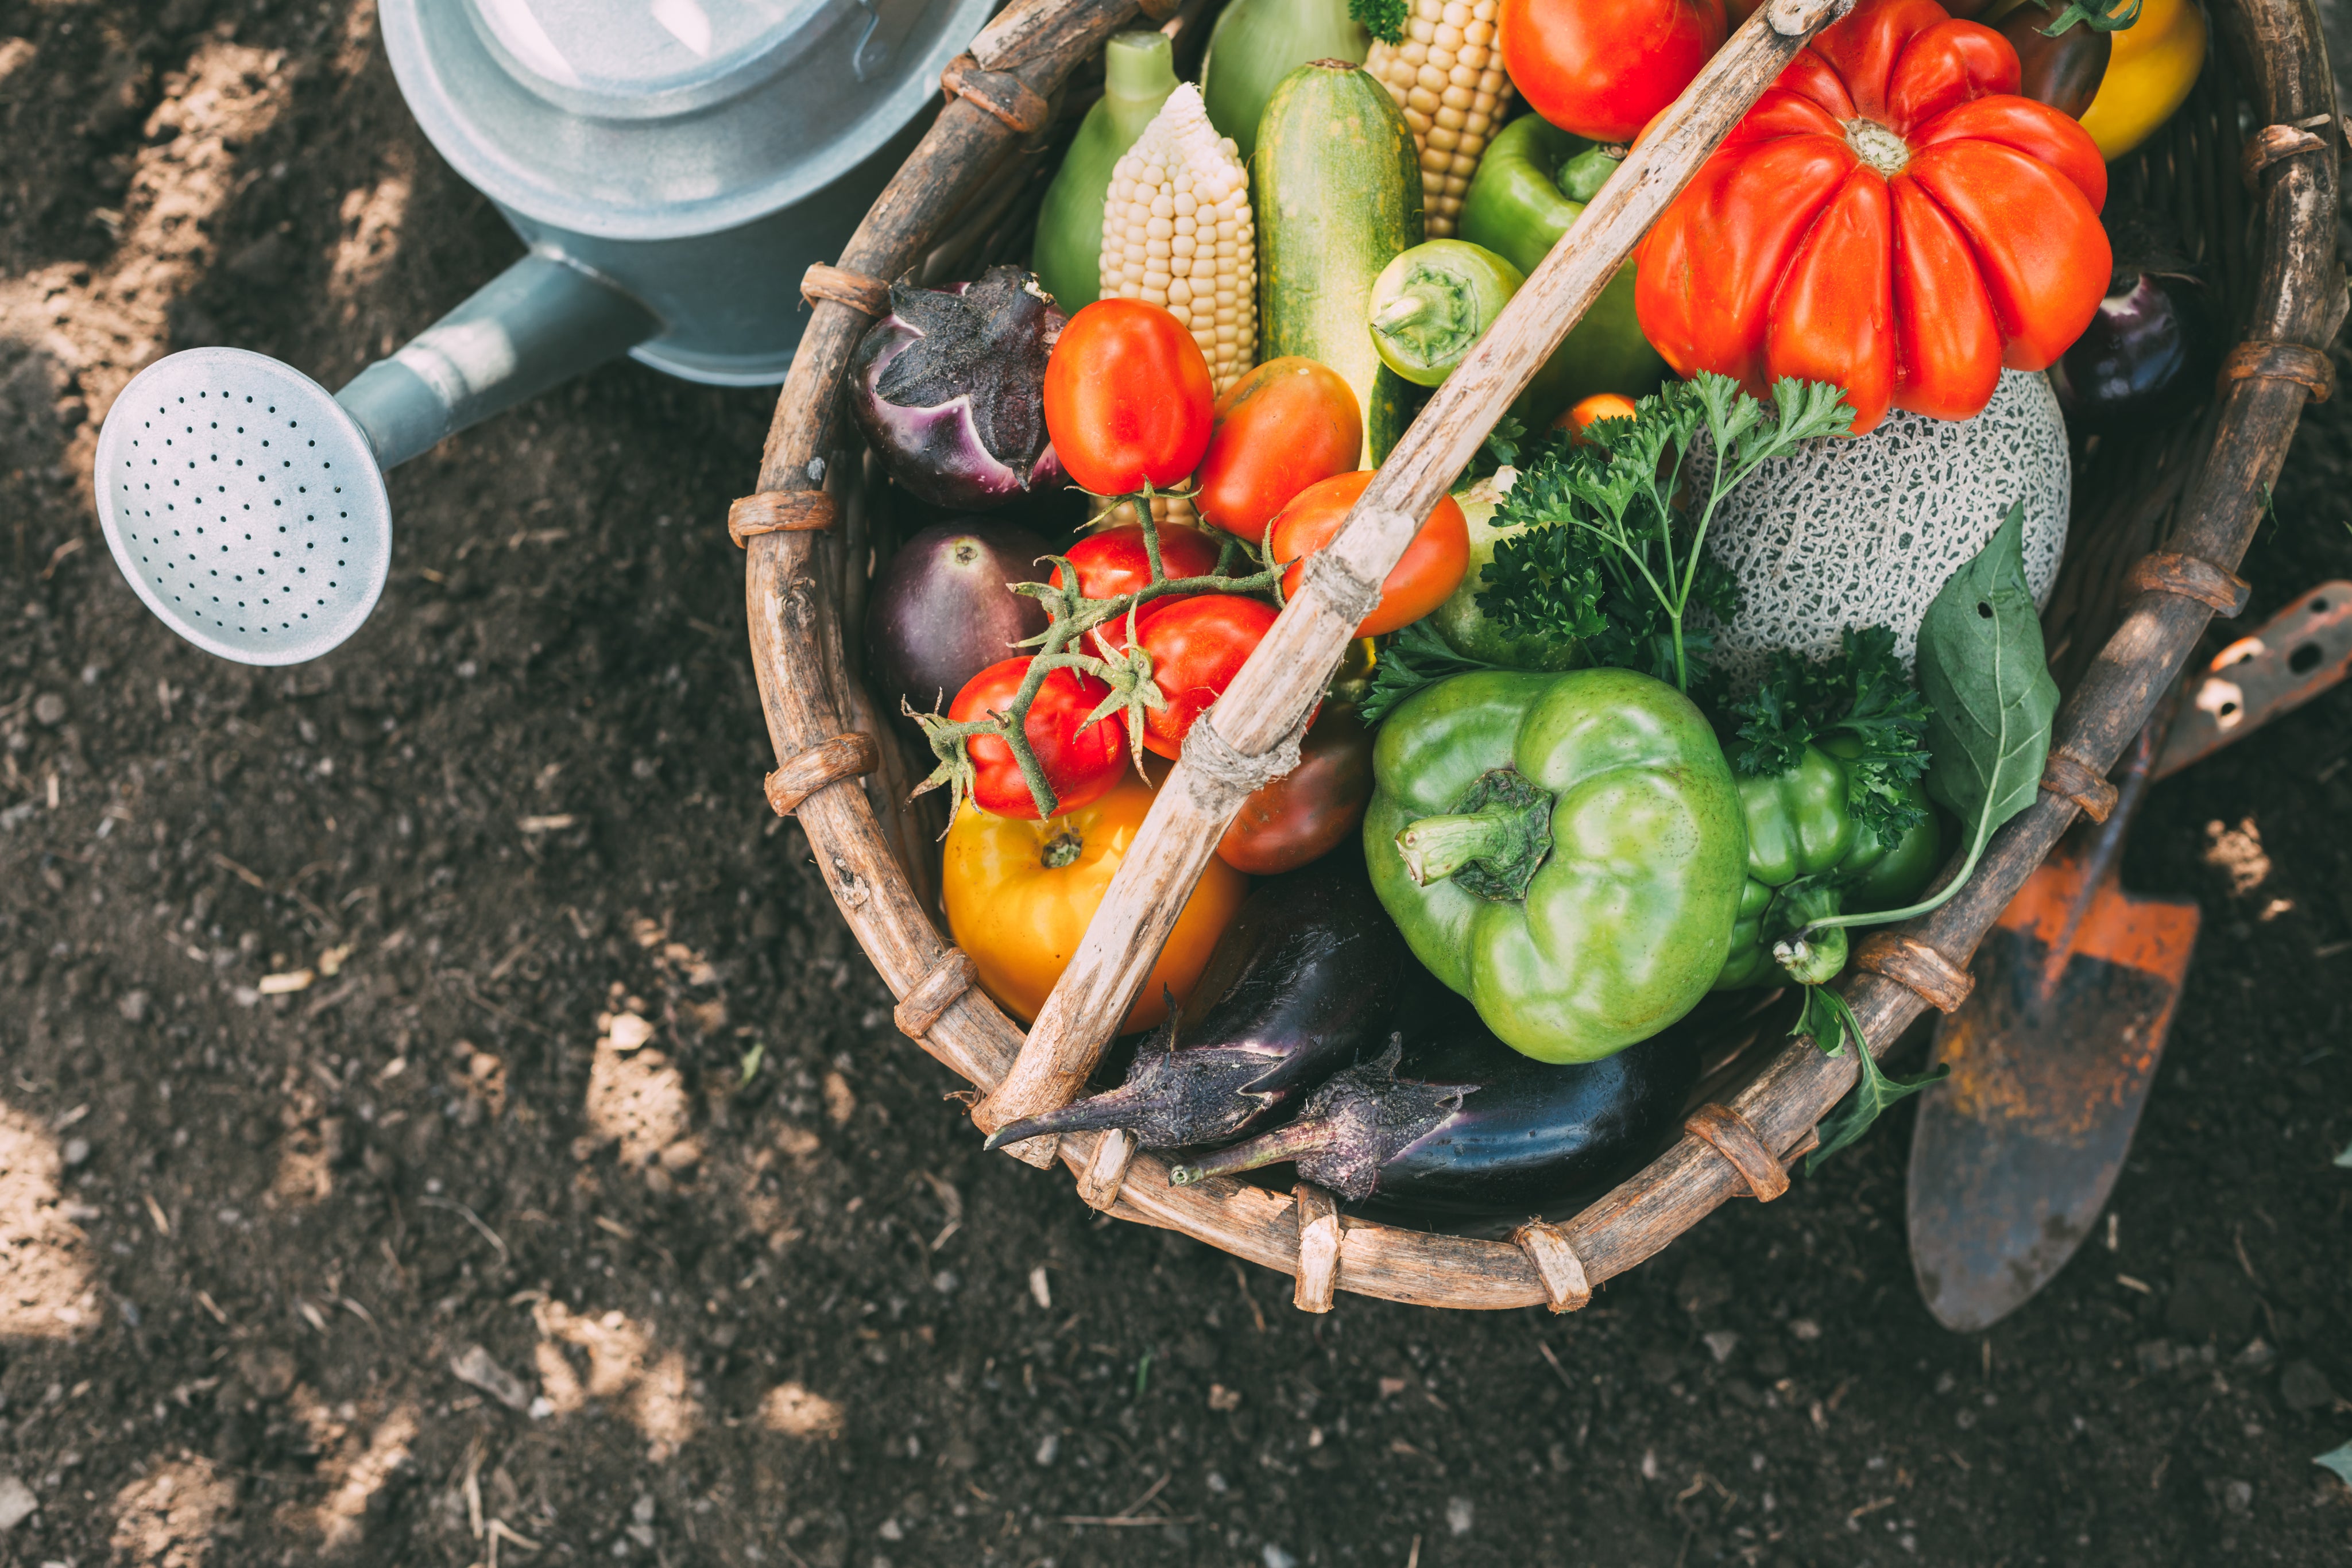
{"type": "Point", "coordinates": [2063, 72]}
{"type": "Point", "coordinates": [942, 611]}
{"type": "Point", "coordinates": [2149, 355]}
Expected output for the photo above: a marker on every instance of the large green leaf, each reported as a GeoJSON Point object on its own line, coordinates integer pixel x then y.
{"type": "Point", "coordinates": [1988, 687]}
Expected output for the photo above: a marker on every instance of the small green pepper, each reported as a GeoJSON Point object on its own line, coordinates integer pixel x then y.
{"type": "Point", "coordinates": [1531, 185]}
{"type": "Point", "coordinates": [1567, 851]}
{"type": "Point", "coordinates": [1808, 858]}
{"type": "Point", "coordinates": [1430, 304]}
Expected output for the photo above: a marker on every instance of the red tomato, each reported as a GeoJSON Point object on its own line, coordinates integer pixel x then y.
{"type": "Point", "coordinates": [1431, 568]}
{"type": "Point", "coordinates": [1197, 646]}
{"type": "Point", "coordinates": [1279, 429]}
{"type": "Point", "coordinates": [1600, 68]}
{"type": "Point", "coordinates": [1128, 399]}
{"type": "Point", "coordinates": [1308, 811]}
{"type": "Point", "coordinates": [1891, 218]}
{"type": "Point", "coordinates": [1081, 760]}
{"type": "Point", "coordinates": [1114, 561]}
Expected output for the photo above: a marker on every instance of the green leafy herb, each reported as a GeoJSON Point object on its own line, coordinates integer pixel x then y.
{"type": "Point", "coordinates": [1606, 558]}
{"type": "Point", "coordinates": [2099, 16]}
{"type": "Point", "coordinates": [1500, 449]}
{"type": "Point", "coordinates": [2339, 1460]}
{"type": "Point", "coordinates": [1827, 1017]}
{"type": "Point", "coordinates": [1991, 698]}
{"type": "Point", "coordinates": [1419, 657]}
{"type": "Point", "coordinates": [1860, 692]}
{"type": "Point", "coordinates": [1383, 19]}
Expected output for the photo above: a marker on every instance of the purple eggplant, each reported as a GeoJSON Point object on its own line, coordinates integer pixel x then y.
{"type": "Point", "coordinates": [2147, 357]}
{"type": "Point", "coordinates": [944, 609]}
{"type": "Point", "coordinates": [1450, 1122]}
{"type": "Point", "coordinates": [949, 388]}
{"type": "Point", "coordinates": [1306, 978]}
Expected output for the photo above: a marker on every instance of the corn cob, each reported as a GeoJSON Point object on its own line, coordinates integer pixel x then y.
{"type": "Point", "coordinates": [1177, 232]}
{"type": "Point", "coordinates": [1446, 73]}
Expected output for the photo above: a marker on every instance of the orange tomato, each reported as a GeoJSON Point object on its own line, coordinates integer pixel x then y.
{"type": "Point", "coordinates": [1431, 568]}
{"type": "Point", "coordinates": [1592, 411]}
{"type": "Point", "coordinates": [1279, 429]}
{"type": "Point", "coordinates": [1019, 895]}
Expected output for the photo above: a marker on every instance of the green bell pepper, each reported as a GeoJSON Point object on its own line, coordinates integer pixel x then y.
{"type": "Point", "coordinates": [1808, 858]}
{"type": "Point", "coordinates": [1567, 851]}
{"type": "Point", "coordinates": [1531, 184]}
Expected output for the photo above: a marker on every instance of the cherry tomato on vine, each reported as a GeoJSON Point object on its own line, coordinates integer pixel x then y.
{"type": "Point", "coordinates": [1081, 760]}
{"type": "Point", "coordinates": [1431, 568]}
{"type": "Point", "coordinates": [1600, 68]}
{"type": "Point", "coordinates": [1278, 429]}
{"type": "Point", "coordinates": [1114, 561]}
{"type": "Point", "coordinates": [1128, 399]}
{"type": "Point", "coordinates": [1197, 647]}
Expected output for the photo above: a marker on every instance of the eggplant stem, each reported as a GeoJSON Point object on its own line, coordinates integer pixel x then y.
{"type": "Point", "coordinates": [1095, 1114]}
{"type": "Point", "coordinates": [1272, 1148]}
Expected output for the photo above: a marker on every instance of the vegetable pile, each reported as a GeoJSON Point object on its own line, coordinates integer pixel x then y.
{"type": "Point", "coordinates": [1725, 646]}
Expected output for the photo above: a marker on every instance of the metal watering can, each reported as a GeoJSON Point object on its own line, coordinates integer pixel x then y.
{"type": "Point", "coordinates": [675, 167]}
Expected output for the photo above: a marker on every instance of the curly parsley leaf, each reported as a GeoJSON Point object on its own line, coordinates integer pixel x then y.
{"type": "Point", "coordinates": [1859, 692]}
{"type": "Point", "coordinates": [1383, 19]}
{"type": "Point", "coordinates": [1501, 449]}
{"type": "Point", "coordinates": [1419, 657]}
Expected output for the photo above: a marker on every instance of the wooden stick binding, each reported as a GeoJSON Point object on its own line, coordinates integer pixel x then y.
{"type": "Point", "coordinates": [2276, 143]}
{"type": "Point", "coordinates": [1320, 1236]}
{"type": "Point", "coordinates": [780, 512]}
{"type": "Point", "coordinates": [2271, 359]}
{"type": "Point", "coordinates": [866, 296]}
{"type": "Point", "coordinates": [1729, 1134]}
{"type": "Point", "coordinates": [2070, 777]}
{"type": "Point", "coordinates": [1566, 1288]}
{"type": "Point", "coordinates": [2185, 577]}
{"type": "Point", "coordinates": [1002, 94]}
{"type": "Point", "coordinates": [1918, 967]}
{"type": "Point", "coordinates": [1105, 1174]}
{"type": "Point", "coordinates": [851, 756]}
{"type": "Point", "coordinates": [936, 992]}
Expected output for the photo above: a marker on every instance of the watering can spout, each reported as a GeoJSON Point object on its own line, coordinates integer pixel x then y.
{"type": "Point", "coordinates": [541, 322]}
{"type": "Point", "coordinates": [245, 504]}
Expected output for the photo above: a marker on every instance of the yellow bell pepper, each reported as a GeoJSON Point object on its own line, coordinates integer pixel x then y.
{"type": "Point", "coordinates": [2155, 63]}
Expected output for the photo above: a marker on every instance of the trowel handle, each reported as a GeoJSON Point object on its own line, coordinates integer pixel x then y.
{"type": "Point", "coordinates": [542, 321]}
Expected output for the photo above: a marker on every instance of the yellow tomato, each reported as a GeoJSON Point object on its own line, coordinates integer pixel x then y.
{"type": "Point", "coordinates": [1019, 895]}
{"type": "Point", "coordinates": [2155, 63]}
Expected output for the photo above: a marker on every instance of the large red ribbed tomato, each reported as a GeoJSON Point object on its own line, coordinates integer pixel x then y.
{"type": "Point", "coordinates": [1890, 216]}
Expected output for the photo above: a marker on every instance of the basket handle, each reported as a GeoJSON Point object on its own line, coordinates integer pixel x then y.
{"type": "Point", "coordinates": [1285, 677]}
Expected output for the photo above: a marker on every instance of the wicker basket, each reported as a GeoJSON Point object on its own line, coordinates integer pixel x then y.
{"type": "Point", "coordinates": [2249, 169]}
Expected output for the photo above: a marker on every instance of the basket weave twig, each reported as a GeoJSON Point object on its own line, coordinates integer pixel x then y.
{"type": "Point", "coordinates": [2271, 243]}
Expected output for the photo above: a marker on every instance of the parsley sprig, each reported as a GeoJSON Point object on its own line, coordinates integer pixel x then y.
{"type": "Point", "coordinates": [1860, 692]}
{"type": "Point", "coordinates": [1607, 558]}
{"type": "Point", "coordinates": [1383, 19]}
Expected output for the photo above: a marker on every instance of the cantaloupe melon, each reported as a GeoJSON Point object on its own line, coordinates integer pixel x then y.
{"type": "Point", "coordinates": [1863, 531]}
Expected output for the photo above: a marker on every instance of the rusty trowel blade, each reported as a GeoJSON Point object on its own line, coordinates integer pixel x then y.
{"type": "Point", "coordinates": [2052, 1059]}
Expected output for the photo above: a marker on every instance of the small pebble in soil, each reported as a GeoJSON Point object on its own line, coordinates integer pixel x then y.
{"type": "Point", "coordinates": [77, 1150]}
{"type": "Point", "coordinates": [1458, 1515]}
{"type": "Point", "coordinates": [48, 710]}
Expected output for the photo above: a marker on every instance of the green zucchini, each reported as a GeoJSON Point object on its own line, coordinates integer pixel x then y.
{"type": "Point", "coordinates": [1335, 186]}
{"type": "Point", "coordinates": [1256, 43]}
{"type": "Point", "coordinates": [1395, 402]}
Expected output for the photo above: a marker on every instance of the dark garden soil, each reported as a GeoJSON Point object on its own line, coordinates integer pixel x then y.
{"type": "Point", "coordinates": [758, 1294]}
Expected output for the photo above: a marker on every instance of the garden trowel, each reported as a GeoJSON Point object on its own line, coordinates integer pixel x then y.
{"type": "Point", "coordinates": [2052, 1054]}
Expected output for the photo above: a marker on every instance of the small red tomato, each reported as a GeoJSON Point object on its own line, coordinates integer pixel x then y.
{"type": "Point", "coordinates": [1081, 760]}
{"type": "Point", "coordinates": [1279, 429]}
{"type": "Point", "coordinates": [1114, 561]}
{"type": "Point", "coordinates": [1310, 811]}
{"type": "Point", "coordinates": [1431, 568]}
{"type": "Point", "coordinates": [1197, 646]}
{"type": "Point", "coordinates": [1601, 69]}
{"type": "Point", "coordinates": [1128, 399]}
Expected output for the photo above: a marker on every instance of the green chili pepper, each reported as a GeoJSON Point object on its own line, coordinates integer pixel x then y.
{"type": "Point", "coordinates": [1809, 859]}
{"type": "Point", "coordinates": [1530, 186]}
{"type": "Point", "coordinates": [1567, 851]}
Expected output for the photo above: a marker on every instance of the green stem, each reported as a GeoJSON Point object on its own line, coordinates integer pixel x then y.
{"type": "Point", "coordinates": [1289, 1143]}
{"type": "Point", "coordinates": [1928, 905]}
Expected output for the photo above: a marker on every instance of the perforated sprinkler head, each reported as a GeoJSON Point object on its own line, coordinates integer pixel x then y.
{"type": "Point", "coordinates": [244, 504]}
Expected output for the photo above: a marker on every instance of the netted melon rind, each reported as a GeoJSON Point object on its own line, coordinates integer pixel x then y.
{"type": "Point", "coordinates": [1863, 532]}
